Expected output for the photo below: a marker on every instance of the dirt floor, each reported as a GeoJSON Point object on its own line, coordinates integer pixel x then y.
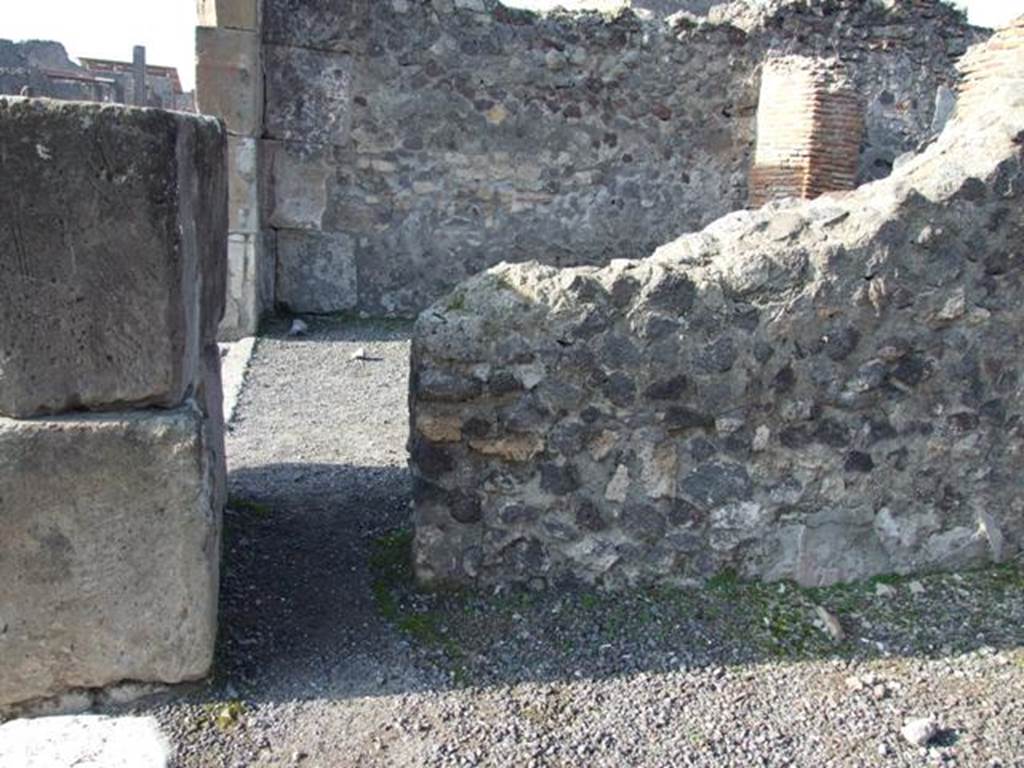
{"type": "Point", "coordinates": [330, 657]}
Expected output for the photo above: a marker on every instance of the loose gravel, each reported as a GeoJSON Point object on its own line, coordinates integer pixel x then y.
{"type": "Point", "coordinates": [330, 657]}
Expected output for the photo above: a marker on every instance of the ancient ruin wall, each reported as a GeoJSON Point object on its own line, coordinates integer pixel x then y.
{"type": "Point", "coordinates": [409, 144]}
{"type": "Point", "coordinates": [112, 474]}
{"type": "Point", "coordinates": [821, 392]}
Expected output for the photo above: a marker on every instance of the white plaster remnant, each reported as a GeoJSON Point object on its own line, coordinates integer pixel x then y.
{"type": "Point", "coordinates": [86, 741]}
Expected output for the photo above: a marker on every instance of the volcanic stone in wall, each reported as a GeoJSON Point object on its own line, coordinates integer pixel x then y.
{"type": "Point", "coordinates": [446, 137]}
{"type": "Point", "coordinates": [111, 254]}
{"type": "Point", "coordinates": [819, 391]}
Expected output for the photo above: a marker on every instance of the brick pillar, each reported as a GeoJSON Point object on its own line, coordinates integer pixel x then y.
{"type": "Point", "coordinates": [809, 127]}
{"type": "Point", "coordinates": [991, 72]}
{"type": "Point", "coordinates": [229, 84]}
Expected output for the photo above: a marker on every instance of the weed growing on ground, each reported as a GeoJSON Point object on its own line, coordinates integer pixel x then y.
{"type": "Point", "coordinates": [248, 506]}
{"type": "Point", "coordinates": [393, 586]}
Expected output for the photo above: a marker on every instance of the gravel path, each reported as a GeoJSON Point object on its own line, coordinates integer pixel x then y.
{"type": "Point", "coordinates": [329, 657]}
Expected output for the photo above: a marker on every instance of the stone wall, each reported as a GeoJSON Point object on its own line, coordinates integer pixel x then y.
{"type": "Point", "coordinates": [818, 391]}
{"type": "Point", "coordinates": [229, 84]}
{"type": "Point", "coordinates": [112, 475]}
{"type": "Point", "coordinates": [409, 144]}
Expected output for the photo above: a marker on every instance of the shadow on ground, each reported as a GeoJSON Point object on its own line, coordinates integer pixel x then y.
{"type": "Point", "coordinates": [318, 601]}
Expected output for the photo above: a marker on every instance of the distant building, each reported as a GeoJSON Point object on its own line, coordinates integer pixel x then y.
{"type": "Point", "coordinates": [43, 68]}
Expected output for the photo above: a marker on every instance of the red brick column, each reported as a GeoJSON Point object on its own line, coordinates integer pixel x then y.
{"type": "Point", "coordinates": [809, 127]}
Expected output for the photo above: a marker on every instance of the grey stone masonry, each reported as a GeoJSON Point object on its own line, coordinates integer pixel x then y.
{"type": "Point", "coordinates": [229, 84]}
{"type": "Point", "coordinates": [113, 238]}
{"type": "Point", "coordinates": [110, 273]}
{"type": "Point", "coordinates": [437, 138]}
{"type": "Point", "coordinates": [109, 553]}
{"type": "Point", "coordinates": [819, 391]}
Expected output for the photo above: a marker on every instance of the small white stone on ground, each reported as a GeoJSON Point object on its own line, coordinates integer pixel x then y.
{"type": "Point", "coordinates": [831, 624]}
{"type": "Point", "coordinates": [299, 328]}
{"type": "Point", "coordinates": [920, 730]}
{"type": "Point", "coordinates": [87, 741]}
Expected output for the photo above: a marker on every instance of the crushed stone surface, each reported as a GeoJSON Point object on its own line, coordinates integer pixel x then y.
{"type": "Point", "coordinates": [329, 657]}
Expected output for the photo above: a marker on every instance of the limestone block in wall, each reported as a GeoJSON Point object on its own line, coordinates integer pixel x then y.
{"type": "Point", "coordinates": [243, 184]}
{"type": "Point", "coordinates": [296, 177]}
{"type": "Point", "coordinates": [234, 14]}
{"type": "Point", "coordinates": [229, 78]}
{"type": "Point", "coordinates": [298, 112]}
{"type": "Point", "coordinates": [111, 254]}
{"type": "Point", "coordinates": [109, 549]}
{"type": "Point", "coordinates": [245, 273]}
{"type": "Point", "coordinates": [316, 272]}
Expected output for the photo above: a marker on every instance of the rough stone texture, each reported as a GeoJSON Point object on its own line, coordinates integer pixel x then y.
{"type": "Point", "coordinates": [229, 79]}
{"type": "Point", "coordinates": [297, 112]}
{"type": "Point", "coordinates": [821, 391]}
{"type": "Point", "coordinates": [443, 137]}
{"type": "Point", "coordinates": [111, 254]}
{"type": "Point", "coordinates": [109, 561]}
{"type": "Point", "coordinates": [316, 271]}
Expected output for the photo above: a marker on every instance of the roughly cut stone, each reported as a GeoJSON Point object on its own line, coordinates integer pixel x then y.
{"type": "Point", "coordinates": [297, 113]}
{"type": "Point", "coordinates": [833, 402]}
{"type": "Point", "coordinates": [109, 549]}
{"type": "Point", "coordinates": [316, 272]}
{"type": "Point", "coordinates": [453, 136]}
{"type": "Point", "coordinates": [111, 254]}
{"type": "Point", "coordinates": [297, 176]}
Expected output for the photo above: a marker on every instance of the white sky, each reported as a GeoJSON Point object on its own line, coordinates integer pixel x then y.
{"type": "Point", "coordinates": [108, 29]}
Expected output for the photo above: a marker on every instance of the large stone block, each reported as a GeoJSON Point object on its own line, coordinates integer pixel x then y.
{"type": "Point", "coordinates": [298, 112]}
{"type": "Point", "coordinates": [296, 180]}
{"type": "Point", "coordinates": [111, 254]}
{"type": "Point", "coordinates": [229, 78]}
{"type": "Point", "coordinates": [316, 272]}
{"type": "Point", "coordinates": [235, 14]}
{"type": "Point", "coordinates": [109, 547]}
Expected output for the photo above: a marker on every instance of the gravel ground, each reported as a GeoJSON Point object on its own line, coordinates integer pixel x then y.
{"type": "Point", "coordinates": [329, 657]}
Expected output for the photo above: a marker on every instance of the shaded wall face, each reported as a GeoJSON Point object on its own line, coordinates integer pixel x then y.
{"type": "Point", "coordinates": [409, 145]}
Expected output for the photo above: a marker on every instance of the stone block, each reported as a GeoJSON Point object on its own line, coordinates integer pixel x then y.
{"type": "Point", "coordinates": [243, 184]}
{"type": "Point", "coordinates": [234, 14]}
{"type": "Point", "coordinates": [111, 254]}
{"type": "Point", "coordinates": [322, 24]}
{"type": "Point", "coordinates": [316, 272]}
{"type": "Point", "coordinates": [229, 78]}
{"type": "Point", "coordinates": [297, 112]}
{"type": "Point", "coordinates": [296, 181]}
{"type": "Point", "coordinates": [109, 548]}
{"type": "Point", "coordinates": [244, 305]}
